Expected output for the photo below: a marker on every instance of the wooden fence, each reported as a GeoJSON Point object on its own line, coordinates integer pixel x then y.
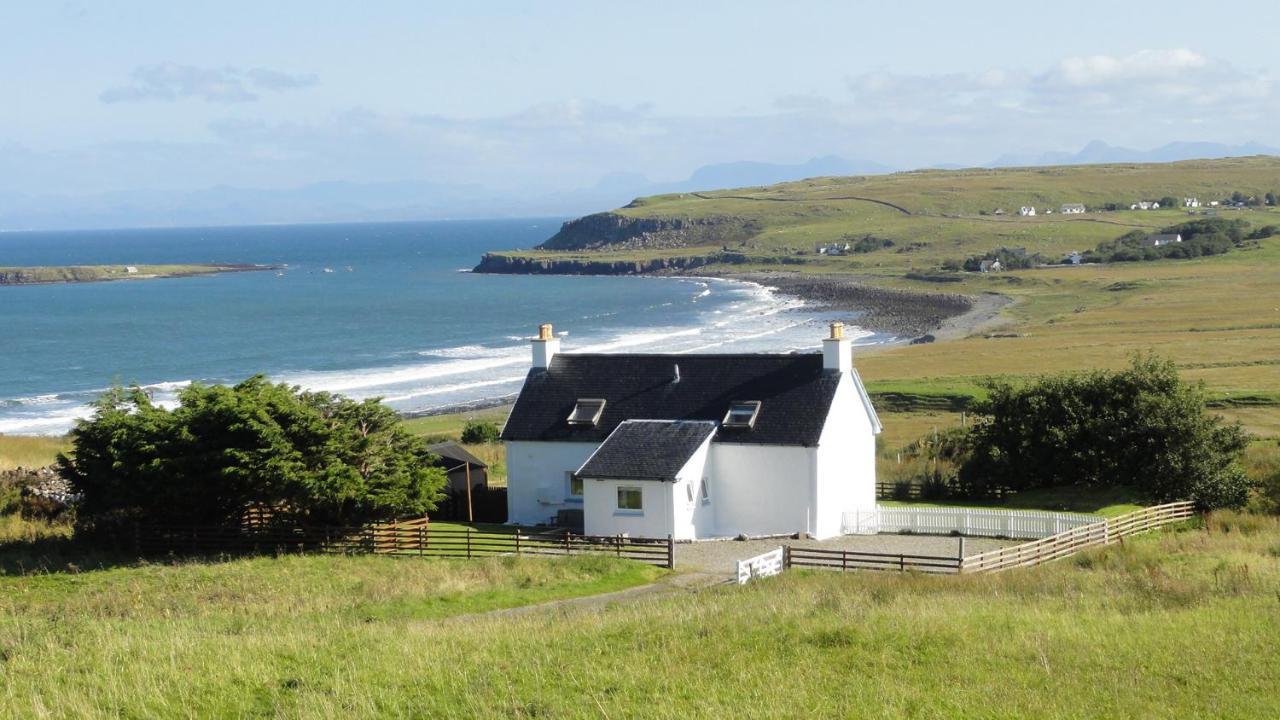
{"type": "Point", "coordinates": [414, 538]}
{"type": "Point", "coordinates": [911, 490]}
{"type": "Point", "coordinates": [1105, 532]}
{"type": "Point", "coordinates": [1060, 545]}
{"type": "Point", "coordinates": [857, 560]}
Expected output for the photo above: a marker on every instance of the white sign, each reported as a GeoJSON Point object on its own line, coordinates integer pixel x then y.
{"type": "Point", "coordinates": [760, 566]}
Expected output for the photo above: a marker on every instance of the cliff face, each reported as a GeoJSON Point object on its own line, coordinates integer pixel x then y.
{"type": "Point", "coordinates": [517, 265]}
{"type": "Point", "coordinates": [619, 232]}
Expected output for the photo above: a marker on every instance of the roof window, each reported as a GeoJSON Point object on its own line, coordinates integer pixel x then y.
{"type": "Point", "coordinates": [587, 411]}
{"type": "Point", "coordinates": [742, 414]}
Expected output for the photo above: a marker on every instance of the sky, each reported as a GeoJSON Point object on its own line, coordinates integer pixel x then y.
{"type": "Point", "coordinates": [521, 96]}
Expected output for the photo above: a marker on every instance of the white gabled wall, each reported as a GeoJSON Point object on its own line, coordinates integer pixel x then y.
{"type": "Point", "coordinates": [846, 461]}
{"type": "Point", "coordinates": [536, 473]}
{"type": "Point", "coordinates": [667, 508]}
{"type": "Point", "coordinates": [761, 489]}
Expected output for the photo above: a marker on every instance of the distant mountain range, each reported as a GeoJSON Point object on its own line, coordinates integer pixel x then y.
{"type": "Point", "coordinates": [1100, 152]}
{"type": "Point", "coordinates": [416, 200]}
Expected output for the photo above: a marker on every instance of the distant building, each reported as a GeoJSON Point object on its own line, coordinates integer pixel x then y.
{"type": "Point", "coordinates": [1145, 205]}
{"type": "Point", "coordinates": [1191, 202]}
{"type": "Point", "coordinates": [1072, 209]}
{"type": "Point", "coordinates": [1074, 258]}
{"type": "Point", "coordinates": [999, 211]}
{"type": "Point", "coordinates": [833, 248]}
{"type": "Point", "coordinates": [990, 266]}
{"type": "Point", "coordinates": [1214, 203]}
{"type": "Point", "coordinates": [131, 270]}
{"type": "Point", "coordinates": [1027, 211]}
{"type": "Point", "coordinates": [1162, 240]}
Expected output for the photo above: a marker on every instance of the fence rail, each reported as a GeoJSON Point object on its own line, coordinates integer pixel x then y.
{"type": "Point", "coordinates": [1105, 532]}
{"type": "Point", "coordinates": [416, 539]}
{"type": "Point", "coordinates": [1016, 524]}
{"type": "Point", "coordinates": [857, 560]}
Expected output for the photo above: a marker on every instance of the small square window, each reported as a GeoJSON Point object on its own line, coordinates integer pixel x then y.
{"type": "Point", "coordinates": [587, 411]}
{"type": "Point", "coordinates": [575, 485]}
{"type": "Point", "coordinates": [630, 498]}
{"type": "Point", "coordinates": [742, 414]}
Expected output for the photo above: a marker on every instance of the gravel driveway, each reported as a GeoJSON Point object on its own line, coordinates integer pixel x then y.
{"type": "Point", "coordinates": [721, 556]}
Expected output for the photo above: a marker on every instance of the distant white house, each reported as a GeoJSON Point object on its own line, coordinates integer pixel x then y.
{"type": "Point", "coordinates": [1214, 203]}
{"type": "Point", "coordinates": [999, 211]}
{"type": "Point", "coordinates": [130, 270]}
{"type": "Point", "coordinates": [833, 248]}
{"type": "Point", "coordinates": [1145, 205]}
{"type": "Point", "coordinates": [1027, 211]}
{"type": "Point", "coordinates": [1191, 202]}
{"type": "Point", "coordinates": [990, 266]}
{"type": "Point", "coordinates": [1072, 209]}
{"type": "Point", "coordinates": [1160, 240]}
{"type": "Point", "coordinates": [691, 446]}
{"type": "Point", "coordinates": [1075, 258]}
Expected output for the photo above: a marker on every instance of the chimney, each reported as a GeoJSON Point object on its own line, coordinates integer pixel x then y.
{"type": "Point", "coordinates": [545, 346]}
{"type": "Point", "coordinates": [837, 352]}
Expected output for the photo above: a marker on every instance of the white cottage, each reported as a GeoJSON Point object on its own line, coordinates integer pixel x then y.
{"type": "Point", "coordinates": [692, 446]}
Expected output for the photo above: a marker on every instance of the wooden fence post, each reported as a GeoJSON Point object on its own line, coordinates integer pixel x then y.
{"type": "Point", "coordinates": [671, 553]}
{"type": "Point", "coordinates": [786, 557]}
{"type": "Point", "coordinates": [568, 547]}
{"type": "Point", "coordinates": [902, 563]}
{"type": "Point", "coordinates": [844, 560]}
{"type": "Point", "coordinates": [517, 541]}
{"type": "Point", "coordinates": [468, 543]}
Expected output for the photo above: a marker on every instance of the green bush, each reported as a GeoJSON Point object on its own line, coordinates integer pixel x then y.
{"type": "Point", "coordinates": [314, 458]}
{"type": "Point", "coordinates": [476, 432]}
{"type": "Point", "coordinates": [1141, 426]}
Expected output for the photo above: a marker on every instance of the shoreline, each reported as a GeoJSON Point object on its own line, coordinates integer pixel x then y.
{"type": "Point", "coordinates": [904, 313]}
{"type": "Point", "coordinates": [77, 274]}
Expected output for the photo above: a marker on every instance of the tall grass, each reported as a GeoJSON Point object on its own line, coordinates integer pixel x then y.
{"type": "Point", "coordinates": [30, 451]}
{"type": "Point", "coordinates": [1179, 624]}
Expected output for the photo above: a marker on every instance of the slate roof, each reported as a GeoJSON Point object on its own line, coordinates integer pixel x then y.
{"type": "Point", "coordinates": [455, 454]}
{"type": "Point", "coordinates": [794, 390]}
{"type": "Point", "coordinates": [647, 450]}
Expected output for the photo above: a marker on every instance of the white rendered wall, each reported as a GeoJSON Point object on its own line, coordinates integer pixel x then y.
{"type": "Point", "coordinates": [846, 462]}
{"type": "Point", "coordinates": [761, 489]}
{"type": "Point", "coordinates": [534, 465]}
{"type": "Point", "coordinates": [600, 501]}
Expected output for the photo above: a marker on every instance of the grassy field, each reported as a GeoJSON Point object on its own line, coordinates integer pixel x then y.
{"type": "Point", "coordinates": [1173, 625]}
{"type": "Point", "coordinates": [29, 451]}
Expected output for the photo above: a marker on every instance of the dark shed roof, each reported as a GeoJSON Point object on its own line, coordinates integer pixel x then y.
{"type": "Point", "coordinates": [455, 454]}
{"type": "Point", "coordinates": [794, 390]}
{"type": "Point", "coordinates": [647, 450]}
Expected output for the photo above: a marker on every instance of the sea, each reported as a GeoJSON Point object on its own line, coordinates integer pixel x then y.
{"type": "Point", "coordinates": [388, 310]}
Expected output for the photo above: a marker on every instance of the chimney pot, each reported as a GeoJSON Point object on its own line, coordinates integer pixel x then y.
{"type": "Point", "coordinates": [837, 330]}
{"type": "Point", "coordinates": [545, 347]}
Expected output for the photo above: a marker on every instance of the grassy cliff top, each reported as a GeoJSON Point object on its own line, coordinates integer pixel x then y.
{"type": "Point", "coordinates": [37, 275]}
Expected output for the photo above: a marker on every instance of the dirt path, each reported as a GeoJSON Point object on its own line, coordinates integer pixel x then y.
{"type": "Point", "coordinates": [885, 203]}
{"type": "Point", "coordinates": [675, 583]}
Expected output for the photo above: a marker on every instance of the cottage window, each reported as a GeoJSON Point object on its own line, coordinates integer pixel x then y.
{"type": "Point", "coordinates": [688, 491]}
{"type": "Point", "coordinates": [630, 499]}
{"type": "Point", "coordinates": [587, 411]}
{"type": "Point", "coordinates": [706, 490]}
{"type": "Point", "coordinates": [575, 486]}
{"type": "Point", "coordinates": [742, 414]}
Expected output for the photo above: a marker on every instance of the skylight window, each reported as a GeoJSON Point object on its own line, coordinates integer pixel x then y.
{"type": "Point", "coordinates": [742, 414]}
{"type": "Point", "coordinates": [587, 411]}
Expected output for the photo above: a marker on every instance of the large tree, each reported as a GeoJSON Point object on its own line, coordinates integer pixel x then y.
{"type": "Point", "coordinates": [1141, 427]}
{"type": "Point", "coordinates": [314, 458]}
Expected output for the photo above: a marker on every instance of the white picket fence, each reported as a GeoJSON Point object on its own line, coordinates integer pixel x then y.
{"type": "Point", "coordinates": [759, 566]}
{"type": "Point", "coordinates": [1017, 524]}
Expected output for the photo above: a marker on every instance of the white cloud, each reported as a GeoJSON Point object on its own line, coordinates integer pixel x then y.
{"type": "Point", "coordinates": [171, 81]}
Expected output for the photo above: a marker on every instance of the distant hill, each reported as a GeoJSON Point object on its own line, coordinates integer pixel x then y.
{"type": "Point", "coordinates": [1100, 152]}
{"type": "Point", "coordinates": [922, 213]}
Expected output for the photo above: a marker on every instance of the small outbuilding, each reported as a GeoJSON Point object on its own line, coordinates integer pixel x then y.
{"type": "Point", "coordinates": [463, 468]}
